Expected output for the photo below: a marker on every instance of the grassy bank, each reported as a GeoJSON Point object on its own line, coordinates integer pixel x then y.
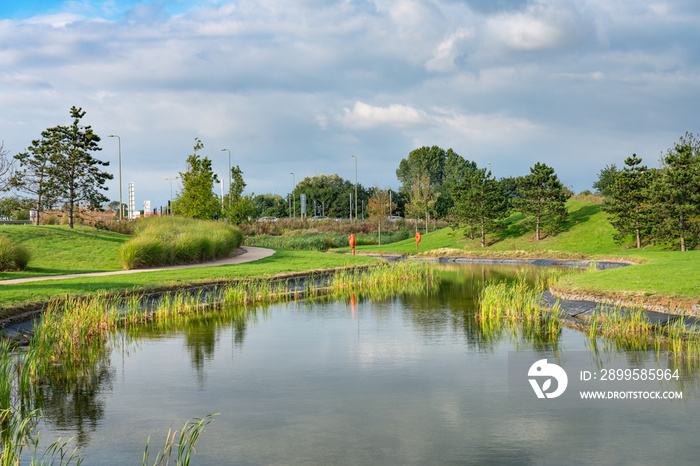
{"type": "Point", "coordinates": [664, 277]}
{"type": "Point", "coordinates": [282, 262]}
{"type": "Point", "coordinates": [56, 249]}
{"type": "Point", "coordinates": [586, 233]}
{"type": "Point", "coordinates": [518, 304]}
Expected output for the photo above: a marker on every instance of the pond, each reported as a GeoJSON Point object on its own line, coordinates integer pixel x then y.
{"type": "Point", "coordinates": [410, 379]}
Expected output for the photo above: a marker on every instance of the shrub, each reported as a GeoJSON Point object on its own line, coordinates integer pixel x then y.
{"type": "Point", "coordinates": [13, 256]}
{"type": "Point", "coordinates": [177, 240]}
{"type": "Point", "coordinates": [49, 219]}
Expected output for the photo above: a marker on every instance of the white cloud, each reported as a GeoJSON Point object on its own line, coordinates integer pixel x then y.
{"type": "Point", "coordinates": [448, 50]}
{"type": "Point", "coordinates": [364, 116]}
{"type": "Point", "coordinates": [274, 79]}
{"type": "Point", "coordinates": [543, 25]}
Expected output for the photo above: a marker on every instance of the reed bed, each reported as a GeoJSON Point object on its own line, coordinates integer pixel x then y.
{"type": "Point", "coordinates": [71, 342]}
{"type": "Point", "coordinates": [518, 302]}
{"type": "Point", "coordinates": [633, 331]}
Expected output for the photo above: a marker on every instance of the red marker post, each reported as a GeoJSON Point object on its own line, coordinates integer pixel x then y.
{"type": "Point", "coordinates": [351, 238]}
{"type": "Point", "coordinates": [417, 239]}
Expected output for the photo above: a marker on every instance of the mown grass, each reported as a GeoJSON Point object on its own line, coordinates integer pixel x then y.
{"type": "Point", "coordinates": [667, 277]}
{"type": "Point", "coordinates": [586, 233]}
{"type": "Point", "coordinates": [176, 240]}
{"type": "Point", "coordinates": [282, 262]}
{"type": "Point", "coordinates": [664, 277]}
{"type": "Point", "coordinates": [56, 249]}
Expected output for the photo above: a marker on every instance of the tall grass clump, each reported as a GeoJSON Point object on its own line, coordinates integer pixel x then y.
{"type": "Point", "coordinates": [179, 445]}
{"type": "Point", "coordinates": [177, 240]}
{"type": "Point", "coordinates": [13, 256]}
{"type": "Point", "coordinates": [18, 421]}
{"type": "Point", "coordinates": [519, 302]}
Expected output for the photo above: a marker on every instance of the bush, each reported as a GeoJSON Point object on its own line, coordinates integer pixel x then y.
{"type": "Point", "coordinates": [177, 240]}
{"type": "Point", "coordinates": [48, 219]}
{"type": "Point", "coordinates": [13, 256]}
{"type": "Point", "coordinates": [20, 214]}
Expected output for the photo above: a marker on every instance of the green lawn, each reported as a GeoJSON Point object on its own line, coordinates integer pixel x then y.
{"type": "Point", "coordinates": [59, 250]}
{"type": "Point", "coordinates": [587, 232]}
{"type": "Point", "coordinates": [281, 262]}
{"type": "Point", "coordinates": [663, 276]}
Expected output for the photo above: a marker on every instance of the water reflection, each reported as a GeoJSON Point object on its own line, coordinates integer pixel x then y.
{"type": "Point", "coordinates": [407, 376]}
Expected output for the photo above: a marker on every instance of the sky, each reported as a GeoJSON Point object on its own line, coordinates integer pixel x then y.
{"type": "Point", "coordinates": [299, 86]}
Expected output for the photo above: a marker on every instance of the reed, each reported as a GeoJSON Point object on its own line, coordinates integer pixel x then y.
{"type": "Point", "coordinates": [18, 421]}
{"type": "Point", "coordinates": [517, 307]}
{"type": "Point", "coordinates": [179, 445]}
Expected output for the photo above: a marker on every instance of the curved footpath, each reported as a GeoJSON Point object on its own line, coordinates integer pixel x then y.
{"type": "Point", "coordinates": [249, 254]}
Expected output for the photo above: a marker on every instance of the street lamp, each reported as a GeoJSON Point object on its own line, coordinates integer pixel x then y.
{"type": "Point", "coordinates": [120, 174]}
{"type": "Point", "coordinates": [170, 208]}
{"type": "Point", "coordinates": [355, 187]}
{"type": "Point", "coordinates": [229, 176]}
{"type": "Point", "coordinates": [294, 201]}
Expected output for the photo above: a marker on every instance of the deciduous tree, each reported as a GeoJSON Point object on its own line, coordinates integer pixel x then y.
{"type": "Point", "coordinates": [6, 167]}
{"type": "Point", "coordinates": [606, 178]}
{"type": "Point", "coordinates": [378, 208]}
{"type": "Point", "coordinates": [237, 207]}
{"type": "Point", "coordinates": [197, 198]}
{"type": "Point", "coordinates": [422, 200]}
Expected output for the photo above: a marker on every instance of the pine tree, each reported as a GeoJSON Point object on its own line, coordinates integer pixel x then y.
{"type": "Point", "coordinates": [542, 199]}
{"type": "Point", "coordinates": [629, 200]}
{"type": "Point", "coordinates": [677, 193]}
{"type": "Point", "coordinates": [74, 173]}
{"type": "Point", "coordinates": [479, 204]}
{"type": "Point", "coordinates": [6, 169]}
{"type": "Point", "coordinates": [33, 175]}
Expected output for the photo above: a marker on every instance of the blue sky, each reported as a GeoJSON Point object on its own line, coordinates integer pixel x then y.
{"type": "Point", "coordinates": [301, 85]}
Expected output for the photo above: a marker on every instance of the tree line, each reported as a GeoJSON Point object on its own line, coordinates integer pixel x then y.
{"type": "Point", "coordinates": [656, 205]}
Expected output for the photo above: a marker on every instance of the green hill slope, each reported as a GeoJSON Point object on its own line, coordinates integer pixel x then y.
{"type": "Point", "coordinates": [665, 277]}
{"type": "Point", "coordinates": [586, 232]}
{"type": "Point", "coordinates": [60, 250]}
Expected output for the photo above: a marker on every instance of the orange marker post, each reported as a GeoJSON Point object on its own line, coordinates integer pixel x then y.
{"type": "Point", "coordinates": [352, 243]}
{"type": "Point", "coordinates": [417, 239]}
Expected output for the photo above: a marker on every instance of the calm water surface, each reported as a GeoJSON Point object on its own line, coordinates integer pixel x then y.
{"type": "Point", "coordinates": [408, 380]}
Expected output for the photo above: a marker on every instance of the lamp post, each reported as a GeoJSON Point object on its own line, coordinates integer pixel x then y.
{"type": "Point", "coordinates": [355, 187]}
{"type": "Point", "coordinates": [170, 208]}
{"type": "Point", "coordinates": [294, 201]}
{"type": "Point", "coordinates": [229, 177]}
{"type": "Point", "coordinates": [121, 215]}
